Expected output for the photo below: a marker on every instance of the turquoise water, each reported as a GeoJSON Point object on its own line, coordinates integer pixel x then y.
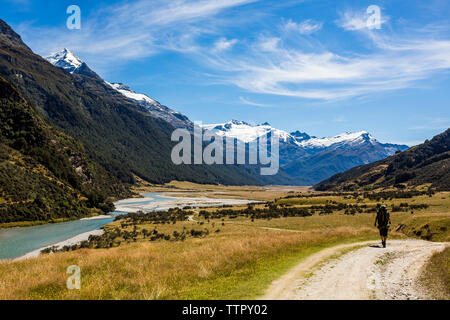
{"type": "Point", "coordinates": [149, 198]}
{"type": "Point", "coordinates": [16, 242]}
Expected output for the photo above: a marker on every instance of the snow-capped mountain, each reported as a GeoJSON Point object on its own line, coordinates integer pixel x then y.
{"type": "Point", "coordinates": [310, 159]}
{"type": "Point", "coordinates": [68, 61]}
{"type": "Point", "coordinates": [300, 136]}
{"type": "Point", "coordinates": [289, 144]}
{"type": "Point", "coordinates": [246, 132]}
{"type": "Point", "coordinates": [345, 138]}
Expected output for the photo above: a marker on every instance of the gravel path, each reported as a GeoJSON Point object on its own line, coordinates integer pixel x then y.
{"type": "Point", "coordinates": [370, 272]}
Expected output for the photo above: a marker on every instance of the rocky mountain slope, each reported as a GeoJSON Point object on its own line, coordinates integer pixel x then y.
{"type": "Point", "coordinates": [156, 109]}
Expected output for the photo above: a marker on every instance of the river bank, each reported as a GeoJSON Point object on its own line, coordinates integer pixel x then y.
{"type": "Point", "coordinates": [24, 224]}
{"type": "Point", "coordinates": [163, 203]}
{"type": "Point", "coordinates": [69, 242]}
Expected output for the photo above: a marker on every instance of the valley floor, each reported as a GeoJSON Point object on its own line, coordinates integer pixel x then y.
{"type": "Point", "coordinates": [245, 251]}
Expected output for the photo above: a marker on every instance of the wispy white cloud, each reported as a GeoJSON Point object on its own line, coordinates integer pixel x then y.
{"type": "Point", "coordinates": [251, 103]}
{"type": "Point", "coordinates": [268, 63]}
{"type": "Point", "coordinates": [267, 44]}
{"type": "Point", "coordinates": [163, 13]}
{"type": "Point", "coordinates": [224, 44]}
{"type": "Point", "coordinates": [305, 27]}
{"type": "Point", "coordinates": [136, 29]}
{"type": "Point", "coordinates": [395, 62]}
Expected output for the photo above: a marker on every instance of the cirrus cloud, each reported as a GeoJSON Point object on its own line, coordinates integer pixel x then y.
{"type": "Point", "coordinates": [305, 27]}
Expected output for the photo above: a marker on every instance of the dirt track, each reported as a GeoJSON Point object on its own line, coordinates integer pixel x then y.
{"type": "Point", "coordinates": [369, 272]}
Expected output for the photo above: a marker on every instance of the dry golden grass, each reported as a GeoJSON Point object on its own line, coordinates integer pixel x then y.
{"type": "Point", "coordinates": [436, 275]}
{"type": "Point", "coordinates": [430, 226]}
{"type": "Point", "coordinates": [239, 262]}
{"type": "Point", "coordinates": [332, 221]}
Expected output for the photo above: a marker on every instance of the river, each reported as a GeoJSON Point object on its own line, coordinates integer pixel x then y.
{"type": "Point", "coordinates": [16, 242]}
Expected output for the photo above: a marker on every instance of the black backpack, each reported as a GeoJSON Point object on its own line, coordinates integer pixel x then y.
{"type": "Point", "coordinates": [383, 217]}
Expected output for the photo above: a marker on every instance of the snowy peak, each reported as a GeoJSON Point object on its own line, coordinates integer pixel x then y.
{"type": "Point", "coordinates": [300, 136]}
{"type": "Point", "coordinates": [65, 59]}
{"type": "Point", "coordinates": [345, 138]}
{"type": "Point", "coordinates": [244, 131]}
{"type": "Point", "coordinates": [120, 86]}
{"type": "Point", "coordinates": [237, 123]}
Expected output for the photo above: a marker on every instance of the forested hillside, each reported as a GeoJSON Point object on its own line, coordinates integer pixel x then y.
{"type": "Point", "coordinates": [45, 174]}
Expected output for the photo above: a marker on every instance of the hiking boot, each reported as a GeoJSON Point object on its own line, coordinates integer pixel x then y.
{"type": "Point", "coordinates": [384, 244]}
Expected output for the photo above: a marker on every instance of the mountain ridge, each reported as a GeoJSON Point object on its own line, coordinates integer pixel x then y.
{"type": "Point", "coordinates": [425, 164]}
{"type": "Point", "coordinates": [68, 61]}
{"type": "Point", "coordinates": [250, 132]}
{"type": "Point", "coordinates": [309, 159]}
{"type": "Point", "coordinates": [306, 158]}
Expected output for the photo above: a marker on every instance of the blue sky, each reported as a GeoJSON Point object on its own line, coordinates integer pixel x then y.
{"type": "Point", "coordinates": [312, 66]}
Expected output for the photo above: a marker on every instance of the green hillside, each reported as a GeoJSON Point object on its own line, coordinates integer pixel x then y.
{"type": "Point", "coordinates": [45, 174]}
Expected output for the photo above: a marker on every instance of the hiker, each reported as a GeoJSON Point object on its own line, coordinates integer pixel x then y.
{"type": "Point", "coordinates": [383, 220]}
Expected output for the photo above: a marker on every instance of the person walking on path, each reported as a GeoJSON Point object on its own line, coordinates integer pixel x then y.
{"type": "Point", "coordinates": [383, 221]}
